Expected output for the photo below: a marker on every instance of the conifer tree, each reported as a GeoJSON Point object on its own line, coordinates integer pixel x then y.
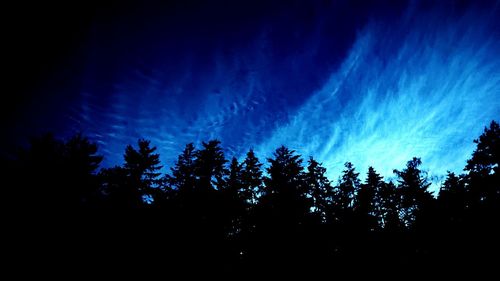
{"type": "Point", "coordinates": [210, 167]}
{"type": "Point", "coordinates": [251, 177]}
{"type": "Point", "coordinates": [183, 177]}
{"type": "Point", "coordinates": [142, 167]}
{"type": "Point", "coordinates": [284, 192]}
{"type": "Point", "coordinates": [320, 189]}
{"type": "Point", "coordinates": [413, 185]}
{"type": "Point", "coordinates": [366, 204]}
{"type": "Point", "coordinates": [484, 169]}
{"type": "Point", "coordinates": [388, 207]}
{"type": "Point", "coordinates": [348, 186]}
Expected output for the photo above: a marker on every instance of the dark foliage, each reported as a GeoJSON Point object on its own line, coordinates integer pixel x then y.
{"type": "Point", "coordinates": [237, 218]}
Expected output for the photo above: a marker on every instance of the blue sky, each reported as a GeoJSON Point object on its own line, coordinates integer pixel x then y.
{"type": "Point", "coordinates": [370, 83]}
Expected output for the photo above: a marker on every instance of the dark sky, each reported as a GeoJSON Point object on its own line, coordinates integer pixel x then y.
{"type": "Point", "coordinates": [372, 82]}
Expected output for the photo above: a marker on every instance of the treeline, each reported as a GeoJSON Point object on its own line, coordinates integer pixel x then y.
{"type": "Point", "coordinates": [233, 216]}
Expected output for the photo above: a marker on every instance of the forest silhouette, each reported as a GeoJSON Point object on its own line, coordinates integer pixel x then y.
{"type": "Point", "coordinates": [212, 214]}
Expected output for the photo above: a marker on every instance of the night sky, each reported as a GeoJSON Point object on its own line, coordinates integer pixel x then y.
{"type": "Point", "coordinates": [371, 82]}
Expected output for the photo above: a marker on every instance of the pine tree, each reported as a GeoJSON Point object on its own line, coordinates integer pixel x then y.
{"type": "Point", "coordinates": [183, 177]}
{"type": "Point", "coordinates": [347, 188]}
{"type": "Point", "coordinates": [251, 177]}
{"type": "Point", "coordinates": [207, 203]}
{"type": "Point", "coordinates": [284, 190]}
{"type": "Point", "coordinates": [366, 205]}
{"type": "Point", "coordinates": [413, 185]}
{"type": "Point", "coordinates": [61, 174]}
{"type": "Point", "coordinates": [388, 207]}
{"type": "Point", "coordinates": [142, 167]}
{"type": "Point", "coordinates": [234, 203]}
{"type": "Point", "coordinates": [486, 158]}
{"type": "Point", "coordinates": [234, 182]}
{"type": "Point", "coordinates": [79, 170]}
{"type": "Point", "coordinates": [452, 196]}
{"type": "Point", "coordinates": [320, 189]}
{"type": "Point", "coordinates": [484, 169]}
{"type": "Point", "coordinates": [251, 187]}
{"type": "Point", "coordinates": [210, 167]}
{"type": "Point", "coordinates": [452, 189]}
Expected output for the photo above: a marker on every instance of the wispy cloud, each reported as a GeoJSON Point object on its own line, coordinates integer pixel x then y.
{"type": "Point", "coordinates": [424, 84]}
{"type": "Point", "coordinates": [425, 87]}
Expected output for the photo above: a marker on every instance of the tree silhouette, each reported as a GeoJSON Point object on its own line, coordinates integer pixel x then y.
{"type": "Point", "coordinates": [281, 212]}
{"type": "Point", "coordinates": [80, 162]}
{"type": "Point", "coordinates": [62, 174]}
{"type": "Point", "coordinates": [234, 182]}
{"type": "Point", "coordinates": [345, 193]}
{"type": "Point", "coordinates": [251, 177]}
{"type": "Point", "coordinates": [183, 177]}
{"type": "Point", "coordinates": [210, 167]}
{"type": "Point", "coordinates": [484, 168]}
{"type": "Point", "coordinates": [388, 202]}
{"type": "Point", "coordinates": [486, 157]}
{"type": "Point", "coordinates": [142, 167]}
{"type": "Point", "coordinates": [250, 188]}
{"type": "Point", "coordinates": [208, 213]}
{"type": "Point", "coordinates": [235, 203]}
{"type": "Point", "coordinates": [452, 196]}
{"type": "Point", "coordinates": [137, 182]}
{"type": "Point", "coordinates": [476, 229]}
{"type": "Point", "coordinates": [413, 185]}
{"type": "Point", "coordinates": [365, 206]}
{"type": "Point", "coordinates": [348, 186]}
{"type": "Point", "coordinates": [320, 188]}
{"type": "Point", "coordinates": [284, 193]}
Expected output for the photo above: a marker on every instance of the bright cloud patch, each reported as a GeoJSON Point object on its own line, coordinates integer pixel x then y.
{"type": "Point", "coordinates": [425, 87]}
